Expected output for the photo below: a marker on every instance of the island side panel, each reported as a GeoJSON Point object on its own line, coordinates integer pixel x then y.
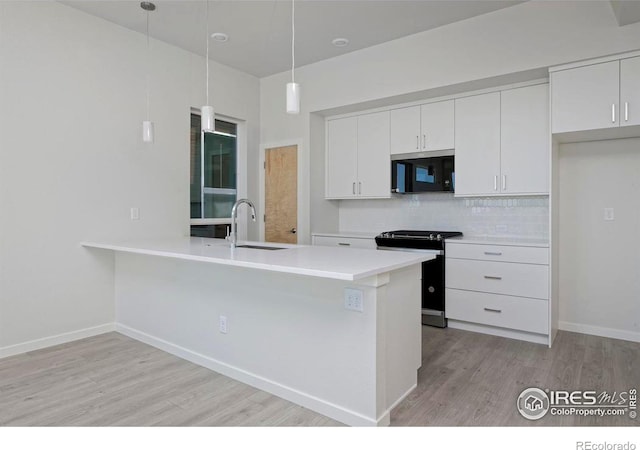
{"type": "Point", "coordinates": [288, 334]}
{"type": "Point", "coordinates": [403, 327]}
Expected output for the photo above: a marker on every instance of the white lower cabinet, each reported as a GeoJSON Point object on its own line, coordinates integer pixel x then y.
{"type": "Point", "coordinates": [503, 311]}
{"type": "Point", "coordinates": [498, 289]}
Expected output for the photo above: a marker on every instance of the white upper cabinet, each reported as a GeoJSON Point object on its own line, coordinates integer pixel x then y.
{"type": "Point", "coordinates": [405, 130]}
{"type": "Point", "coordinates": [374, 162]}
{"type": "Point", "coordinates": [438, 126]}
{"type": "Point", "coordinates": [586, 98]}
{"type": "Point", "coordinates": [477, 138]}
{"type": "Point", "coordinates": [342, 157]}
{"type": "Point", "coordinates": [602, 96]}
{"type": "Point", "coordinates": [357, 157]}
{"type": "Point", "coordinates": [502, 142]}
{"type": "Point", "coordinates": [630, 91]}
{"type": "Point", "coordinates": [423, 128]}
{"type": "Point", "coordinates": [524, 148]}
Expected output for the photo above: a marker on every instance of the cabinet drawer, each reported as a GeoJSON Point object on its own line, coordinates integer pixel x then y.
{"type": "Point", "coordinates": [523, 280]}
{"type": "Point", "coordinates": [505, 253]}
{"type": "Point", "coordinates": [336, 241]}
{"type": "Point", "coordinates": [498, 310]}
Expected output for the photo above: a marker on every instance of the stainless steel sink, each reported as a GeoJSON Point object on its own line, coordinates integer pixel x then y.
{"type": "Point", "coordinates": [260, 247]}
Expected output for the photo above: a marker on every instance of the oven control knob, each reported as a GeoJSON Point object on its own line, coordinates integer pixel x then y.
{"type": "Point", "coordinates": [431, 237]}
{"type": "Point", "coordinates": [439, 237]}
{"type": "Point", "coordinates": [431, 289]}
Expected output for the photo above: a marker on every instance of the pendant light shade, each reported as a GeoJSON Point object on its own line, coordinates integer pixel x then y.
{"type": "Point", "coordinates": [147, 131]}
{"type": "Point", "coordinates": [293, 98]}
{"type": "Point", "coordinates": [293, 88]}
{"type": "Point", "coordinates": [208, 119]}
{"type": "Point", "coordinates": [207, 115]}
{"type": "Point", "coordinates": [147, 125]}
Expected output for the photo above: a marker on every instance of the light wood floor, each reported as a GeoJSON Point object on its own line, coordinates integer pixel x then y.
{"type": "Point", "coordinates": [466, 379]}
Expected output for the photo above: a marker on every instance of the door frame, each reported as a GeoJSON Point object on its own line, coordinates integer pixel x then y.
{"type": "Point", "coordinates": [302, 223]}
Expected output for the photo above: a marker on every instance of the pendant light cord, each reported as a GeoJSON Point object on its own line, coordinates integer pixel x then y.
{"type": "Point", "coordinates": [293, 40]}
{"type": "Point", "coordinates": [207, 62]}
{"type": "Point", "coordinates": [148, 68]}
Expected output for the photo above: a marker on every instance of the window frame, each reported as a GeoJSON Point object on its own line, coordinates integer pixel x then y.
{"type": "Point", "coordinates": [241, 166]}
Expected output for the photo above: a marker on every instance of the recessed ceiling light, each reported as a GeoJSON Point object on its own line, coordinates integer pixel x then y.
{"type": "Point", "coordinates": [340, 42]}
{"type": "Point", "coordinates": [220, 37]}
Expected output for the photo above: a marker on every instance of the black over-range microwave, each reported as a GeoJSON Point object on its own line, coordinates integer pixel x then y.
{"type": "Point", "coordinates": [436, 174]}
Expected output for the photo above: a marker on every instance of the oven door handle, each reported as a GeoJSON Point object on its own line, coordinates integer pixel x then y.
{"type": "Point", "coordinates": [414, 250]}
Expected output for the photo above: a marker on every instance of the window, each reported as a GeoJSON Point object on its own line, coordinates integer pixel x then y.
{"type": "Point", "coordinates": [213, 172]}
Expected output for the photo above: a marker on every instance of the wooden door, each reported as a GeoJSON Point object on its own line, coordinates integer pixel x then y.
{"type": "Point", "coordinates": [477, 139]}
{"type": "Point", "coordinates": [281, 194]}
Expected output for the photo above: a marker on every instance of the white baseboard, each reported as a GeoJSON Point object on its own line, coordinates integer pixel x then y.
{"type": "Point", "coordinates": [502, 332]}
{"type": "Point", "coordinates": [613, 333]}
{"type": "Point", "coordinates": [328, 409]}
{"type": "Point", "coordinates": [50, 341]}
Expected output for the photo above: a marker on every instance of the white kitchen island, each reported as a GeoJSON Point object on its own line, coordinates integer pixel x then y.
{"type": "Point", "coordinates": [288, 331]}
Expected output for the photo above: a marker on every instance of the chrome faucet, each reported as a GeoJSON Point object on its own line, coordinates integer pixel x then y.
{"type": "Point", "coordinates": [233, 237]}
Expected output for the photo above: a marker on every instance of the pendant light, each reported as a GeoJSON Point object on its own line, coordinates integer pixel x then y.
{"type": "Point", "coordinates": [147, 125]}
{"type": "Point", "coordinates": [207, 118]}
{"type": "Point", "coordinates": [293, 88]}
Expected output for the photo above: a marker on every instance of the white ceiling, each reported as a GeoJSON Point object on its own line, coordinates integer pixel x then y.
{"type": "Point", "coordinates": [260, 30]}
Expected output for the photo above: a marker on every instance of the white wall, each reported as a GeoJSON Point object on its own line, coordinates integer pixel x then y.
{"type": "Point", "coordinates": [522, 38]}
{"type": "Point", "coordinates": [599, 260]}
{"type": "Point", "coordinates": [72, 163]}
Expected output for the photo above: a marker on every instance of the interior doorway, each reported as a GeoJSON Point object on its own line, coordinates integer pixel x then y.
{"type": "Point", "coordinates": [281, 194]}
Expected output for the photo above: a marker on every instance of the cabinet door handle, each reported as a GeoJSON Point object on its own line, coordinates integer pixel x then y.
{"type": "Point", "coordinates": [613, 113]}
{"type": "Point", "coordinates": [491, 277]}
{"type": "Point", "coordinates": [344, 244]}
{"type": "Point", "coordinates": [359, 187]}
{"type": "Point", "coordinates": [417, 142]}
{"type": "Point", "coordinates": [354, 188]}
{"type": "Point", "coordinates": [504, 182]}
{"type": "Point", "coordinates": [626, 111]}
{"type": "Point", "coordinates": [424, 141]}
{"type": "Point", "coordinates": [493, 310]}
{"type": "Point", "coordinates": [493, 253]}
{"type": "Point", "coordinates": [495, 183]}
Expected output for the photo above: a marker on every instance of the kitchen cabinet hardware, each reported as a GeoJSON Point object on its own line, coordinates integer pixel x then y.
{"type": "Point", "coordinates": [626, 111]}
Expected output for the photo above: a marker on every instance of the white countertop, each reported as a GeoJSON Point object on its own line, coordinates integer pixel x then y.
{"type": "Point", "coordinates": [327, 262]}
{"type": "Point", "coordinates": [486, 240]}
{"type": "Point", "coordinates": [347, 234]}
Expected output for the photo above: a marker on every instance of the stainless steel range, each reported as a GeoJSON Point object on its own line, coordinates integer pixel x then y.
{"type": "Point", "coordinates": [433, 301]}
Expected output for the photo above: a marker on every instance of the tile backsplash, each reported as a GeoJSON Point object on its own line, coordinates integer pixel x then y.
{"type": "Point", "coordinates": [503, 217]}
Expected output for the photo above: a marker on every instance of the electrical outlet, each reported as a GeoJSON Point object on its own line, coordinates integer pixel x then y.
{"type": "Point", "coordinates": [353, 299]}
{"type": "Point", "coordinates": [608, 214]}
{"type": "Point", "coordinates": [135, 213]}
{"type": "Point", "coordinates": [223, 324]}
